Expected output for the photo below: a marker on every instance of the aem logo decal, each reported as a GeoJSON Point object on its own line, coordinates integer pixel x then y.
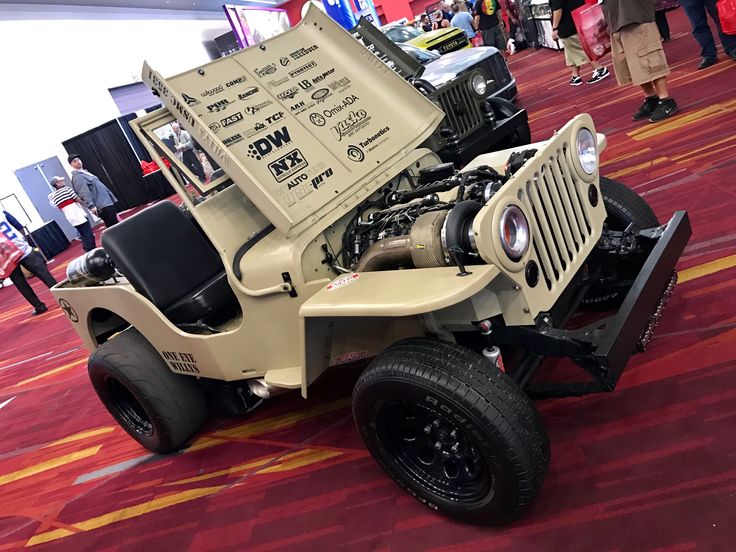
{"type": "Point", "coordinates": [287, 165]}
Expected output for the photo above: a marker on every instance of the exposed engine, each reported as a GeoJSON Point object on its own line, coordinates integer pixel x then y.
{"type": "Point", "coordinates": [427, 226]}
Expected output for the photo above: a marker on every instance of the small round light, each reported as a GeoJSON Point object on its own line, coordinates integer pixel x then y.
{"type": "Point", "coordinates": [479, 84]}
{"type": "Point", "coordinates": [514, 232]}
{"type": "Point", "coordinates": [587, 150]}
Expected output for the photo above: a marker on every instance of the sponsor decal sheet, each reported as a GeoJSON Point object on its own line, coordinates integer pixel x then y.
{"type": "Point", "coordinates": [305, 121]}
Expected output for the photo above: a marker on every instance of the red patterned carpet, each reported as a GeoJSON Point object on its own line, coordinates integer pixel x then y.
{"type": "Point", "coordinates": [648, 467]}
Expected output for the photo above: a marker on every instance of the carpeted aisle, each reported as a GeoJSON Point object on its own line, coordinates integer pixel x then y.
{"type": "Point", "coordinates": [648, 467]}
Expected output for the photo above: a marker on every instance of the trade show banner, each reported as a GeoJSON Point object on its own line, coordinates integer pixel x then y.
{"type": "Point", "coordinates": [365, 8]}
{"type": "Point", "coordinates": [341, 11]}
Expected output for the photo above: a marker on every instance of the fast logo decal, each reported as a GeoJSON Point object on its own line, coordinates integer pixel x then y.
{"type": "Point", "coordinates": [190, 100]}
{"type": "Point", "coordinates": [321, 177]}
{"type": "Point", "coordinates": [267, 145]}
{"type": "Point", "coordinates": [233, 82]}
{"type": "Point", "coordinates": [304, 68]}
{"type": "Point", "coordinates": [354, 122]}
{"type": "Point", "coordinates": [247, 93]}
{"type": "Point", "coordinates": [356, 154]}
{"type": "Point", "coordinates": [288, 165]}
{"type": "Point", "coordinates": [218, 106]}
{"type": "Point", "coordinates": [232, 119]}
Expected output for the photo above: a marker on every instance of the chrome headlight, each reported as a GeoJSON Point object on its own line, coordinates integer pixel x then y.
{"type": "Point", "coordinates": [514, 232]}
{"type": "Point", "coordinates": [478, 84]}
{"type": "Point", "coordinates": [587, 150]}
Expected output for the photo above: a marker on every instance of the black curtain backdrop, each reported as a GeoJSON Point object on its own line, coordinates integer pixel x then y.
{"type": "Point", "coordinates": [106, 152]}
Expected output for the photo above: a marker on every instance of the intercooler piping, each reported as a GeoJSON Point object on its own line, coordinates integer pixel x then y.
{"type": "Point", "coordinates": [386, 254]}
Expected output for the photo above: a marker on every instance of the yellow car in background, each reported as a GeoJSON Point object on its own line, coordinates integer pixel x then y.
{"type": "Point", "coordinates": [441, 41]}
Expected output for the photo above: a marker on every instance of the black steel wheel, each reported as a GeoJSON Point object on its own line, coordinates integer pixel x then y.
{"type": "Point", "coordinates": [452, 430]}
{"type": "Point", "coordinates": [623, 207]}
{"type": "Point", "coordinates": [158, 408]}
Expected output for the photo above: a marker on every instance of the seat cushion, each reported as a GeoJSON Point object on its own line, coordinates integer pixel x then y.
{"type": "Point", "coordinates": [214, 296]}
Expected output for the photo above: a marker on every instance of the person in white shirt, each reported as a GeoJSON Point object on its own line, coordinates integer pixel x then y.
{"type": "Point", "coordinates": [65, 199]}
{"type": "Point", "coordinates": [31, 261]}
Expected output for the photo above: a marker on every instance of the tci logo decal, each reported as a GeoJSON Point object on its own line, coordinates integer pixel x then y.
{"type": "Point", "coordinates": [275, 117]}
{"type": "Point", "coordinates": [190, 100]}
{"type": "Point", "coordinates": [218, 106]}
{"type": "Point", "coordinates": [321, 94]}
{"type": "Point", "coordinates": [269, 69]}
{"type": "Point", "coordinates": [317, 119]}
{"type": "Point", "coordinates": [247, 93]}
{"type": "Point", "coordinates": [233, 82]}
{"type": "Point", "coordinates": [265, 146]}
{"type": "Point", "coordinates": [232, 119]}
{"type": "Point", "coordinates": [287, 165]}
{"type": "Point", "coordinates": [356, 154]}
{"type": "Point", "coordinates": [288, 93]}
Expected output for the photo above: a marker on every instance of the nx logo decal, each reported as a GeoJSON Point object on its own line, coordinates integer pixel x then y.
{"type": "Point", "coordinates": [265, 146]}
{"type": "Point", "coordinates": [356, 154]}
{"type": "Point", "coordinates": [288, 165]}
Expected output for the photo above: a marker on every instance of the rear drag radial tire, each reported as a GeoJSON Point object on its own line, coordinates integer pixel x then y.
{"type": "Point", "coordinates": [158, 408]}
{"type": "Point", "coordinates": [623, 207]}
{"type": "Point", "coordinates": [421, 389]}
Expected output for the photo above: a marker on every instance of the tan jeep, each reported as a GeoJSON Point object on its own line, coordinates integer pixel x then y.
{"type": "Point", "coordinates": [327, 233]}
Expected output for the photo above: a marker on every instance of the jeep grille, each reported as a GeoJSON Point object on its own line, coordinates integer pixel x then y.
{"type": "Point", "coordinates": [560, 221]}
{"type": "Point", "coordinates": [499, 70]}
{"type": "Point", "coordinates": [460, 107]}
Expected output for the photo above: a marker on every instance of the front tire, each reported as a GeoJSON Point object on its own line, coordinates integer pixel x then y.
{"type": "Point", "coordinates": [158, 408]}
{"type": "Point", "coordinates": [452, 430]}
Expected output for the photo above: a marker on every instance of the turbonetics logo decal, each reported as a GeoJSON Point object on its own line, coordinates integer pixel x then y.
{"type": "Point", "coordinates": [356, 154]}
{"type": "Point", "coordinates": [267, 145]}
{"type": "Point", "coordinates": [370, 140]}
{"type": "Point", "coordinates": [287, 165]}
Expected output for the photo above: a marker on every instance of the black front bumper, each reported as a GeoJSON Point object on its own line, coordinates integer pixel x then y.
{"type": "Point", "coordinates": [604, 347]}
{"type": "Point", "coordinates": [484, 140]}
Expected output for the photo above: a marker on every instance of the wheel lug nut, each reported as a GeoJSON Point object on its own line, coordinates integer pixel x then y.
{"type": "Point", "coordinates": [438, 445]}
{"type": "Point", "coordinates": [428, 429]}
{"type": "Point", "coordinates": [436, 424]}
{"type": "Point", "coordinates": [453, 433]}
{"type": "Point", "coordinates": [455, 448]}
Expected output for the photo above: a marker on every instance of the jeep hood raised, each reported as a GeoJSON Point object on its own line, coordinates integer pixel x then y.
{"type": "Point", "coordinates": [306, 124]}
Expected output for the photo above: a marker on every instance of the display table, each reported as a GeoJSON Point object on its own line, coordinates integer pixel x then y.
{"type": "Point", "coordinates": [49, 239]}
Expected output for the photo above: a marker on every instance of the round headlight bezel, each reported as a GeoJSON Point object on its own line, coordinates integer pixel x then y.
{"type": "Point", "coordinates": [478, 81]}
{"type": "Point", "coordinates": [586, 149]}
{"type": "Point", "coordinates": [514, 233]}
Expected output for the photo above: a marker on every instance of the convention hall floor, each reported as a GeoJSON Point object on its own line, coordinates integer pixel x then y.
{"type": "Point", "coordinates": [648, 467]}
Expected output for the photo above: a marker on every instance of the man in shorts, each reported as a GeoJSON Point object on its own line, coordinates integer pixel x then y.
{"type": "Point", "coordinates": [563, 28]}
{"type": "Point", "coordinates": [638, 57]}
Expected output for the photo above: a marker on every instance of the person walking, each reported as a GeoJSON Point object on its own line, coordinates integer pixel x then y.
{"type": "Point", "coordinates": [463, 20]}
{"type": "Point", "coordinates": [96, 196]}
{"type": "Point", "coordinates": [563, 28]}
{"type": "Point", "coordinates": [185, 148]}
{"type": "Point", "coordinates": [31, 261]}
{"type": "Point", "coordinates": [638, 57]}
{"type": "Point", "coordinates": [488, 22]}
{"type": "Point", "coordinates": [696, 13]}
{"type": "Point", "coordinates": [68, 202]}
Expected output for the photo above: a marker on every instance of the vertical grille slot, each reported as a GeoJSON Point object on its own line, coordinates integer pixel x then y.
{"type": "Point", "coordinates": [559, 220]}
{"type": "Point", "coordinates": [462, 111]}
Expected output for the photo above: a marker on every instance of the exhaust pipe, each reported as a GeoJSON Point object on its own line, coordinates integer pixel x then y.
{"type": "Point", "coordinates": [262, 390]}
